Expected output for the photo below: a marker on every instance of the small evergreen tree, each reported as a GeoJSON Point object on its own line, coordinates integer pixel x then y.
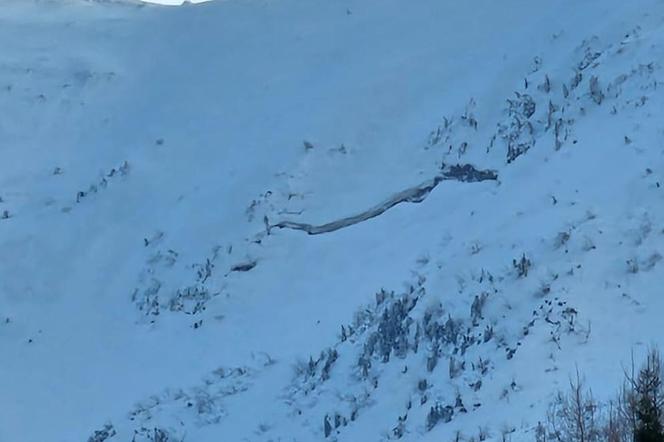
{"type": "Point", "coordinates": [650, 400]}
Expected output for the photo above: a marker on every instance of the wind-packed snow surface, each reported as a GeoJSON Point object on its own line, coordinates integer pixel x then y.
{"type": "Point", "coordinates": [482, 180]}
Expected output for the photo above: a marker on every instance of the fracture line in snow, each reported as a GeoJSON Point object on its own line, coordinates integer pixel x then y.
{"type": "Point", "coordinates": [416, 194]}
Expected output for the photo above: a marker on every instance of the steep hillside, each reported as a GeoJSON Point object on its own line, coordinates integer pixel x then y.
{"type": "Point", "coordinates": [302, 220]}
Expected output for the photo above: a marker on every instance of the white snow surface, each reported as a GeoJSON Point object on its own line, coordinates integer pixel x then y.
{"type": "Point", "coordinates": [143, 147]}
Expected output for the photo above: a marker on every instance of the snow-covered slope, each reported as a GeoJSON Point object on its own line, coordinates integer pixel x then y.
{"type": "Point", "coordinates": [158, 164]}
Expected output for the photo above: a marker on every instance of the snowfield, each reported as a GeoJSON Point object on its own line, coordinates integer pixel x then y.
{"type": "Point", "coordinates": [303, 220]}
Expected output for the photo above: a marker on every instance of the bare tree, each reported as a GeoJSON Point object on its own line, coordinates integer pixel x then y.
{"type": "Point", "coordinates": [573, 416]}
{"type": "Point", "coordinates": [636, 415]}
